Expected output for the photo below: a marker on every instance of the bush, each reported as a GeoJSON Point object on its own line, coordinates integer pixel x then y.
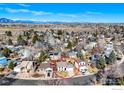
{"type": "Point", "coordinates": [11, 65]}
{"type": "Point", "coordinates": [1, 69]}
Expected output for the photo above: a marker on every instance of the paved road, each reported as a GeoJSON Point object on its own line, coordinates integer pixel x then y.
{"type": "Point", "coordinates": [72, 81]}
{"type": "Point", "coordinates": [122, 68]}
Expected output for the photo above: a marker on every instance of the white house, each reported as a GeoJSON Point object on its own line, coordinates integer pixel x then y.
{"type": "Point", "coordinates": [18, 69]}
{"type": "Point", "coordinates": [51, 40]}
{"type": "Point", "coordinates": [26, 53]}
{"type": "Point", "coordinates": [11, 47]}
{"type": "Point", "coordinates": [65, 66]}
{"type": "Point", "coordinates": [83, 69]}
{"type": "Point", "coordinates": [90, 45]}
{"type": "Point", "coordinates": [82, 66]}
{"type": "Point", "coordinates": [21, 67]}
{"type": "Point", "coordinates": [82, 63]}
{"type": "Point", "coordinates": [109, 45]}
{"type": "Point", "coordinates": [108, 49]}
{"type": "Point", "coordinates": [30, 65]}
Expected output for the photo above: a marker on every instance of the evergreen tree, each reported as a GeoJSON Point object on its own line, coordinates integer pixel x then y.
{"type": "Point", "coordinates": [8, 33]}
{"type": "Point", "coordinates": [26, 34]}
{"type": "Point", "coordinates": [21, 41]}
{"type": "Point", "coordinates": [120, 81]}
{"type": "Point", "coordinates": [100, 64]}
{"type": "Point", "coordinates": [6, 52]}
{"type": "Point", "coordinates": [80, 55]}
{"type": "Point", "coordinates": [11, 65]}
{"type": "Point", "coordinates": [112, 58]}
{"type": "Point", "coordinates": [70, 45]}
{"type": "Point", "coordinates": [10, 42]}
{"type": "Point", "coordinates": [35, 38]}
{"type": "Point", "coordinates": [60, 32]}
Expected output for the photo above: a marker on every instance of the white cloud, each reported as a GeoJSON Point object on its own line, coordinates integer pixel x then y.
{"type": "Point", "coordinates": [11, 10]}
{"type": "Point", "coordinates": [94, 13]}
{"type": "Point", "coordinates": [67, 15]}
{"type": "Point", "coordinates": [40, 12]}
{"type": "Point", "coordinates": [79, 15]}
{"type": "Point", "coordinates": [75, 16]}
{"type": "Point", "coordinates": [24, 5]}
{"type": "Point", "coordinates": [16, 10]}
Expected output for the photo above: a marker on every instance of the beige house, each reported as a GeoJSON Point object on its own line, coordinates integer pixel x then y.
{"type": "Point", "coordinates": [45, 69]}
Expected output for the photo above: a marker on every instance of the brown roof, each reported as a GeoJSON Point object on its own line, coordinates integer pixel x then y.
{"type": "Point", "coordinates": [44, 65]}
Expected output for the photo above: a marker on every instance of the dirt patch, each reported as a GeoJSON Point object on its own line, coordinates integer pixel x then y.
{"type": "Point", "coordinates": [37, 75]}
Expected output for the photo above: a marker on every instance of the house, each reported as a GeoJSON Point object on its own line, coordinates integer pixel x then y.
{"type": "Point", "coordinates": [46, 69]}
{"type": "Point", "coordinates": [83, 69]}
{"type": "Point", "coordinates": [11, 47]}
{"type": "Point", "coordinates": [26, 54]}
{"type": "Point", "coordinates": [90, 46]}
{"type": "Point", "coordinates": [72, 54]}
{"type": "Point", "coordinates": [122, 47]}
{"type": "Point", "coordinates": [108, 49]}
{"type": "Point", "coordinates": [82, 63]}
{"type": "Point", "coordinates": [18, 68]}
{"type": "Point", "coordinates": [82, 66]}
{"type": "Point", "coordinates": [64, 66]}
{"type": "Point", "coordinates": [51, 40]}
{"type": "Point", "coordinates": [108, 52]}
{"type": "Point", "coordinates": [55, 55]}
{"type": "Point", "coordinates": [101, 42]}
{"type": "Point", "coordinates": [30, 65]}
{"type": "Point", "coordinates": [109, 45]}
{"type": "Point", "coordinates": [22, 67]}
{"type": "Point", "coordinates": [38, 44]}
{"type": "Point", "coordinates": [108, 39]}
{"type": "Point", "coordinates": [94, 57]}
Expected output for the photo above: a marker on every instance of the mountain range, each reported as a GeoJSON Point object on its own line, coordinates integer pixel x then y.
{"type": "Point", "coordinates": [6, 20]}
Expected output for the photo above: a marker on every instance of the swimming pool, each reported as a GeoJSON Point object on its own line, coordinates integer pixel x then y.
{"type": "Point", "coordinates": [3, 61]}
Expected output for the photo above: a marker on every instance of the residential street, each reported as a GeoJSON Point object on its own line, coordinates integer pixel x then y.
{"type": "Point", "coordinates": [83, 80]}
{"type": "Point", "coordinates": [72, 81]}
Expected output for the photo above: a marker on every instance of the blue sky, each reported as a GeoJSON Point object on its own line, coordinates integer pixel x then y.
{"type": "Point", "coordinates": [64, 12]}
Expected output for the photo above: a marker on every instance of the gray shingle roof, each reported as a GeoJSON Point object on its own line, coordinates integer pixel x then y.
{"type": "Point", "coordinates": [64, 64]}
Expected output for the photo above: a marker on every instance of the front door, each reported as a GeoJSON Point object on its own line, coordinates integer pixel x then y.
{"type": "Point", "coordinates": [48, 74]}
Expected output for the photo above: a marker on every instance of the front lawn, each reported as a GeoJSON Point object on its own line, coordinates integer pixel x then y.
{"type": "Point", "coordinates": [62, 73]}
